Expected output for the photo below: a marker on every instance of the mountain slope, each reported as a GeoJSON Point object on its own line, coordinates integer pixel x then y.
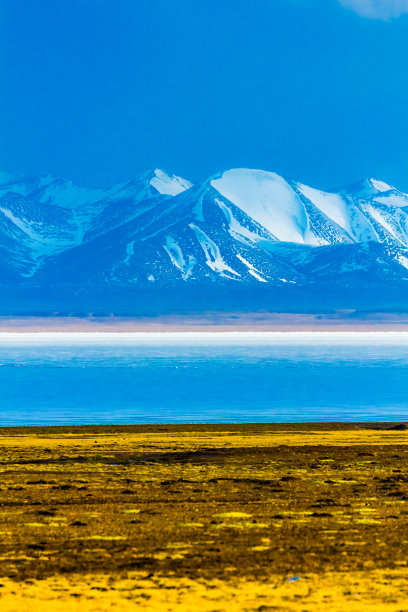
{"type": "Point", "coordinates": [198, 236]}
{"type": "Point", "coordinates": [243, 227]}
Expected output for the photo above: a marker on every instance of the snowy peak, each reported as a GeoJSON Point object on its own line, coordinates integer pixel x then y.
{"type": "Point", "coordinates": [376, 191]}
{"type": "Point", "coordinates": [47, 215]}
{"type": "Point", "coordinates": [269, 200]}
{"type": "Point", "coordinates": [169, 184]}
{"type": "Point", "coordinates": [342, 218]}
{"type": "Point", "coordinates": [48, 189]}
{"type": "Point", "coordinates": [294, 212]}
{"type": "Point", "coordinates": [379, 186]}
{"type": "Point", "coordinates": [62, 192]}
{"type": "Point", "coordinates": [366, 188]}
{"type": "Point", "coordinates": [148, 184]}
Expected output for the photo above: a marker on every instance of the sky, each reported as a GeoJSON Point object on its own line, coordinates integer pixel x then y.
{"type": "Point", "coordinates": [98, 91]}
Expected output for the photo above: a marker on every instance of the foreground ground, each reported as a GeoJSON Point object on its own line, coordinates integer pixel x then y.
{"type": "Point", "coordinates": [203, 517]}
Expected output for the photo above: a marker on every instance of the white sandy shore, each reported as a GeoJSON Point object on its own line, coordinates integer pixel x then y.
{"type": "Point", "coordinates": [194, 338]}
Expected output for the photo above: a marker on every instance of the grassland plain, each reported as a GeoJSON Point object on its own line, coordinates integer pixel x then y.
{"type": "Point", "coordinates": [258, 517]}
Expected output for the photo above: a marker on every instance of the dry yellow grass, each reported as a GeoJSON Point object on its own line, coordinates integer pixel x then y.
{"type": "Point", "coordinates": [204, 518]}
{"type": "Point", "coordinates": [356, 592]}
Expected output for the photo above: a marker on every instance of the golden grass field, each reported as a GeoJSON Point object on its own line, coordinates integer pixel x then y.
{"type": "Point", "coordinates": [305, 517]}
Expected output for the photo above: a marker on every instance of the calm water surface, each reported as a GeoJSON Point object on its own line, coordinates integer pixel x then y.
{"type": "Point", "coordinates": [176, 378]}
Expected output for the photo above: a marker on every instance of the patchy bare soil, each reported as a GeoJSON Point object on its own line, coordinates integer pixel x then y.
{"type": "Point", "coordinates": [204, 517]}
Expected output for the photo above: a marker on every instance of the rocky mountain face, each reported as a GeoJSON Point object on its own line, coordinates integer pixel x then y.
{"type": "Point", "coordinates": [245, 230]}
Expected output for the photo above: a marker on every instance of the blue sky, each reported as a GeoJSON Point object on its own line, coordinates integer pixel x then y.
{"type": "Point", "coordinates": [98, 91]}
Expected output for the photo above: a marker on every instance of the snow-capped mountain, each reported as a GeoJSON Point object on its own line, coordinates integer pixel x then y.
{"type": "Point", "coordinates": [47, 215]}
{"type": "Point", "coordinates": [240, 228]}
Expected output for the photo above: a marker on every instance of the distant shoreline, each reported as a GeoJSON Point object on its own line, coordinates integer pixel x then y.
{"type": "Point", "coordinates": [210, 323]}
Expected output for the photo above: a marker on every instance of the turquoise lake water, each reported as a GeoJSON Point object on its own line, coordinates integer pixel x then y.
{"type": "Point", "coordinates": [54, 379]}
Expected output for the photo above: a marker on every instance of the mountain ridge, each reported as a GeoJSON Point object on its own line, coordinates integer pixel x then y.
{"type": "Point", "coordinates": [241, 227]}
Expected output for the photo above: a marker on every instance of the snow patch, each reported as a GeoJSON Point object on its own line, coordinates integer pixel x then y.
{"type": "Point", "coordinates": [176, 255]}
{"type": "Point", "coordinates": [198, 209]}
{"type": "Point", "coordinates": [331, 204]}
{"type": "Point", "coordinates": [344, 213]}
{"type": "Point", "coordinates": [403, 260]}
{"type": "Point", "coordinates": [24, 225]}
{"type": "Point", "coordinates": [396, 200]}
{"type": "Point", "coordinates": [130, 250]}
{"type": "Point", "coordinates": [251, 269]}
{"type": "Point", "coordinates": [380, 185]}
{"type": "Point", "coordinates": [169, 184]}
{"type": "Point", "coordinates": [381, 220]}
{"type": "Point", "coordinates": [235, 228]}
{"type": "Point", "coordinates": [212, 253]}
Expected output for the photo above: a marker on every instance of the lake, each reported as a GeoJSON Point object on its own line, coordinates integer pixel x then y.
{"type": "Point", "coordinates": [192, 377]}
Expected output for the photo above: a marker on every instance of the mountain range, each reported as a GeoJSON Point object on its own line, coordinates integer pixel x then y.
{"type": "Point", "coordinates": [239, 236]}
